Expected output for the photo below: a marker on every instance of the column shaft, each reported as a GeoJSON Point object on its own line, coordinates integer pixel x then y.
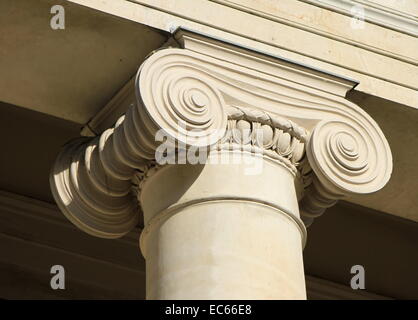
{"type": "Point", "coordinates": [214, 232]}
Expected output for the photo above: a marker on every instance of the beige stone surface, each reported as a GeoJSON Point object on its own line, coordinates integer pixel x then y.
{"type": "Point", "coordinates": [368, 64]}
{"type": "Point", "coordinates": [280, 145]}
{"type": "Point", "coordinates": [409, 7]}
{"type": "Point", "coordinates": [334, 107]}
{"type": "Point", "coordinates": [327, 23]}
{"type": "Point", "coordinates": [209, 234]}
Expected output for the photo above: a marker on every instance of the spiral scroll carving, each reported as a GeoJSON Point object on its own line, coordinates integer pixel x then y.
{"type": "Point", "coordinates": [347, 158]}
{"type": "Point", "coordinates": [93, 181]}
{"type": "Point", "coordinates": [89, 195]}
{"type": "Point", "coordinates": [181, 99]}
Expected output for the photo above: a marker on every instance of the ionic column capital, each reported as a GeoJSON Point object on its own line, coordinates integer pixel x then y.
{"type": "Point", "coordinates": [210, 94]}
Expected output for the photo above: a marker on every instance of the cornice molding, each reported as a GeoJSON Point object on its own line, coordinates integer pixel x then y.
{"type": "Point", "coordinates": [190, 94]}
{"type": "Point", "coordinates": [374, 13]}
{"type": "Point", "coordinates": [341, 57]}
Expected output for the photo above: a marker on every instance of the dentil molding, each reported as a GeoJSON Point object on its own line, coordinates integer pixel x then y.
{"type": "Point", "coordinates": [221, 93]}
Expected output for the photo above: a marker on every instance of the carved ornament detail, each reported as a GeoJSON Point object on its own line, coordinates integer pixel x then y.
{"type": "Point", "coordinates": [332, 147]}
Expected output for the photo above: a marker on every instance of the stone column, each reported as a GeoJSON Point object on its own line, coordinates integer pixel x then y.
{"type": "Point", "coordinates": [225, 152]}
{"type": "Point", "coordinates": [223, 231]}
